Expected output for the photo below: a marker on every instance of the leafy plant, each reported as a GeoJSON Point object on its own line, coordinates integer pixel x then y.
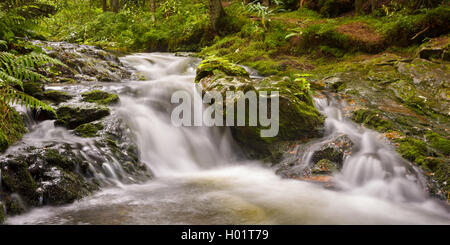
{"type": "Point", "coordinates": [16, 68]}
{"type": "Point", "coordinates": [303, 83]}
{"type": "Point", "coordinates": [262, 11]}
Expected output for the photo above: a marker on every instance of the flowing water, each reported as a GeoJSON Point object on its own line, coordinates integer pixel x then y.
{"type": "Point", "coordinates": [201, 178]}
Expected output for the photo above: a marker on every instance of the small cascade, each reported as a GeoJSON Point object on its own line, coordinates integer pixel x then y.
{"type": "Point", "coordinates": [200, 178]}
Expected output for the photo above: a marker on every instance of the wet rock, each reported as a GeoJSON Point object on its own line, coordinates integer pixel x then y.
{"type": "Point", "coordinates": [212, 65]}
{"type": "Point", "coordinates": [436, 48]}
{"type": "Point", "coordinates": [35, 89]}
{"type": "Point", "coordinates": [100, 97]}
{"type": "Point", "coordinates": [64, 187]}
{"type": "Point", "coordinates": [298, 118]}
{"type": "Point", "coordinates": [72, 117]}
{"type": "Point", "coordinates": [56, 96]}
{"type": "Point", "coordinates": [431, 53]}
{"type": "Point", "coordinates": [84, 63]}
{"type": "Point", "coordinates": [333, 83]}
{"type": "Point", "coordinates": [13, 127]}
{"type": "Point", "coordinates": [325, 167]}
{"type": "Point", "coordinates": [16, 178]}
{"type": "Point", "coordinates": [2, 213]}
{"type": "Point", "coordinates": [372, 119]}
{"type": "Point", "coordinates": [88, 129]}
{"type": "Point", "coordinates": [333, 152]}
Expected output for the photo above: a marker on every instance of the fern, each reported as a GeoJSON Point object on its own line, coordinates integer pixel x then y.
{"type": "Point", "coordinates": [12, 96]}
{"type": "Point", "coordinates": [16, 68]}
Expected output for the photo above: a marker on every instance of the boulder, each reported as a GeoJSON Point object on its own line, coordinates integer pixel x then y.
{"type": "Point", "coordinates": [298, 118]}
{"type": "Point", "coordinates": [100, 97]}
{"type": "Point", "coordinates": [72, 117]}
{"type": "Point", "coordinates": [333, 152]}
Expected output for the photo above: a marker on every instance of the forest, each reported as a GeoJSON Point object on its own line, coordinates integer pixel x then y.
{"type": "Point", "coordinates": [363, 110]}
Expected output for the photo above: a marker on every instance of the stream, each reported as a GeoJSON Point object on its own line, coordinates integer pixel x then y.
{"type": "Point", "coordinates": [200, 177]}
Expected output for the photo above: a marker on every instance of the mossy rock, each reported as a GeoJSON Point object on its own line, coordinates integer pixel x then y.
{"type": "Point", "coordinates": [88, 129]}
{"type": "Point", "coordinates": [325, 167]}
{"type": "Point", "coordinates": [56, 96]}
{"type": "Point", "coordinates": [439, 143]}
{"type": "Point", "coordinates": [72, 117]}
{"type": "Point", "coordinates": [213, 65]}
{"type": "Point", "coordinates": [35, 89]}
{"type": "Point", "coordinates": [411, 148]}
{"type": "Point", "coordinates": [2, 213]}
{"type": "Point", "coordinates": [54, 158]}
{"type": "Point", "coordinates": [100, 97]}
{"type": "Point", "coordinates": [298, 118]}
{"type": "Point", "coordinates": [69, 188]}
{"type": "Point", "coordinates": [16, 178]}
{"type": "Point", "coordinates": [372, 119]}
{"type": "Point", "coordinates": [14, 128]}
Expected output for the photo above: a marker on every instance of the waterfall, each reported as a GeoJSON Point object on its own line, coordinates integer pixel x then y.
{"type": "Point", "coordinates": [200, 178]}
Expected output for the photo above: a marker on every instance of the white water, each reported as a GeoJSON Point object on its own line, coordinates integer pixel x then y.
{"type": "Point", "coordinates": [200, 179]}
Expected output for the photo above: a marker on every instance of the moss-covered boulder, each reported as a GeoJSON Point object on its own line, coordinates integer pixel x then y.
{"type": "Point", "coordinates": [70, 187]}
{"type": "Point", "coordinates": [35, 89]}
{"type": "Point", "coordinates": [88, 129]}
{"type": "Point", "coordinates": [325, 167]}
{"type": "Point", "coordinates": [2, 213]}
{"type": "Point", "coordinates": [56, 96]}
{"type": "Point", "coordinates": [100, 97]}
{"type": "Point", "coordinates": [213, 65]}
{"type": "Point", "coordinates": [12, 128]}
{"type": "Point", "coordinates": [298, 118]}
{"type": "Point", "coordinates": [16, 178]}
{"type": "Point", "coordinates": [72, 117]}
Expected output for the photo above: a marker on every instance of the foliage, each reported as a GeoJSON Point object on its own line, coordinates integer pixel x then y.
{"type": "Point", "coordinates": [16, 68]}
{"type": "Point", "coordinates": [176, 25]}
{"type": "Point", "coordinates": [262, 11]}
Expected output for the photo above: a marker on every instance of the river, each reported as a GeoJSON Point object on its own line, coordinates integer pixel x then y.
{"type": "Point", "coordinates": [201, 178]}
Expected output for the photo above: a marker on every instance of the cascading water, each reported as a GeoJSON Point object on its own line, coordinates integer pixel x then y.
{"type": "Point", "coordinates": [200, 179]}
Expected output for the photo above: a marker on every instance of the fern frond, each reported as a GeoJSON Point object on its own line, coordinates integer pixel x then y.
{"type": "Point", "coordinates": [3, 44]}
{"type": "Point", "coordinates": [6, 58]}
{"type": "Point", "coordinates": [12, 96]}
{"type": "Point", "coordinates": [21, 73]}
{"type": "Point", "coordinates": [7, 80]}
{"type": "Point", "coordinates": [32, 59]}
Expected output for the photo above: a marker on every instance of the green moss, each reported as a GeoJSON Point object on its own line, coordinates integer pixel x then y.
{"type": "Point", "coordinates": [54, 158]}
{"type": "Point", "coordinates": [373, 119]}
{"type": "Point", "coordinates": [411, 148]}
{"type": "Point", "coordinates": [12, 128]}
{"type": "Point", "coordinates": [71, 187]}
{"type": "Point", "coordinates": [324, 166]}
{"type": "Point", "coordinates": [100, 97]}
{"type": "Point", "coordinates": [56, 96]}
{"type": "Point", "coordinates": [34, 89]}
{"type": "Point", "coordinates": [298, 118]}
{"type": "Point", "coordinates": [72, 117]}
{"type": "Point", "coordinates": [2, 213]}
{"type": "Point", "coordinates": [212, 65]}
{"type": "Point", "coordinates": [439, 143]}
{"type": "Point", "coordinates": [88, 129]}
{"type": "Point", "coordinates": [17, 178]}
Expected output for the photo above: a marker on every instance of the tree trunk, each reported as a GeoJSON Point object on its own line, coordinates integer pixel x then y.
{"type": "Point", "coordinates": [104, 5]}
{"type": "Point", "coordinates": [215, 13]}
{"type": "Point", "coordinates": [373, 4]}
{"type": "Point", "coordinates": [115, 5]}
{"type": "Point", "coordinates": [302, 2]}
{"type": "Point", "coordinates": [152, 6]}
{"type": "Point", "coordinates": [358, 6]}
